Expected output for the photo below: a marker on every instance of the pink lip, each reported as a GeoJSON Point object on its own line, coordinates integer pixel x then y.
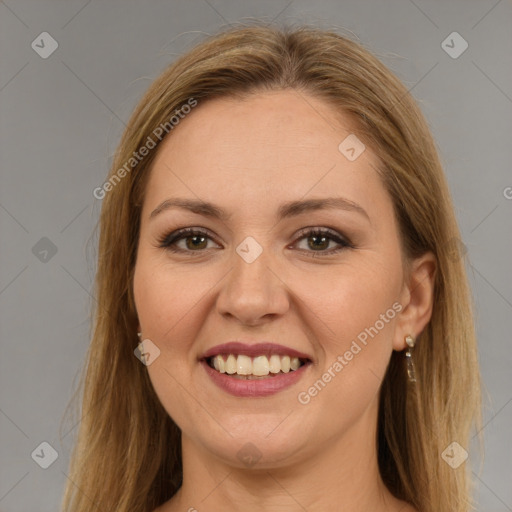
{"type": "Point", "coordinates": [258, 349]}
{"type": "Point", "coordinates": [254, 388]}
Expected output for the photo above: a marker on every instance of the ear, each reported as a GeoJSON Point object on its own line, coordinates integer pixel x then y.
{"type": "Point", "coordinates": [417, 300]}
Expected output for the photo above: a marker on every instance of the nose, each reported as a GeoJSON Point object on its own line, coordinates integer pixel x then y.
{"type": "Point", "coordinates": [253, 292]}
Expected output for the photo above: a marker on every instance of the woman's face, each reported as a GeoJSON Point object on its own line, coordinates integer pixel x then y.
{"type": "Point", "coordinates": [256, 276]}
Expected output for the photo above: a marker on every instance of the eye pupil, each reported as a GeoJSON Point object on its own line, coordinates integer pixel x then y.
{"type": "Point", "coordinates": [193, 244]}
{"type": "Point", "coordinates": [197, 242]}
{"type": "Point", "coordinates": [322, 238]}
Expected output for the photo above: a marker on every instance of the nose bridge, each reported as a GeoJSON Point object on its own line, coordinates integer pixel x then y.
{"type": "Point", "coordinates": [251, 272]}
{"type": "Point", "coordinates": [252, 289]}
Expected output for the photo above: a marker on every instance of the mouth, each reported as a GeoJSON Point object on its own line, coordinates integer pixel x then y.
{"type": "Point", "coordinates": [255, 370]}
{"type": "Point", "coordinates": [241, 366]}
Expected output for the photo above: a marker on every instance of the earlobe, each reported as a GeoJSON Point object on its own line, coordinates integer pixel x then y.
{"type": "Point", "coordinates": [418, 300]}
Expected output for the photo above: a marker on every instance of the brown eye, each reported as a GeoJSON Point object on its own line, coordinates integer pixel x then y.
{"type": "Point", "coordinates": [318, 240]}
{"type": "Point", "coordinates": [195, 240]}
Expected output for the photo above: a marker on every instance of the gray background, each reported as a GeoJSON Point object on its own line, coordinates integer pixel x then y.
{"type": "Point", "coordinates": [62, 117]}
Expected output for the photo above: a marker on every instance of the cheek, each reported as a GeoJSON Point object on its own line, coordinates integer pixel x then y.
{"type": "Point", "coordinates": [337, 307]}
{"type": "Point", "coordinates": [165, 298]}
{"type": "Point", "coordinates": [355, 296]}
{"type": "Point", "coordinates": [360, 311]}
{"type": "Point", "coordinates": [165, 302]}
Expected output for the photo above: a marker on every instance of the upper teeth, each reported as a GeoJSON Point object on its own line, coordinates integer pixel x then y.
{"type": "Point", "coordinates": [260, 365]}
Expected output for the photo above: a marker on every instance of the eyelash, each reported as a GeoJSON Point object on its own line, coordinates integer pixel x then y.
{"type": "Point", "coordinates": [168, 241]}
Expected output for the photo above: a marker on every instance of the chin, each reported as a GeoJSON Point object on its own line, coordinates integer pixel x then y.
{"type": "Point", "coordinates": [254, 447]}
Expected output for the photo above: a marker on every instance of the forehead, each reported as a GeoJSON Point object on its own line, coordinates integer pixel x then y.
{"type": "Point", "coordinates": [269, 145]}
{"type": "Point", "coordinates": [289, 125]}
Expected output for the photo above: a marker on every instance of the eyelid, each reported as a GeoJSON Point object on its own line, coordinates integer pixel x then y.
{"type": "Point", "coordinates": [168, 240]}
{"type": "Point", "coordinates": [324, 230]}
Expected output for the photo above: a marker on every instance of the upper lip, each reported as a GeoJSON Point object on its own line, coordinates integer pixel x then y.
{"type": "Point", "coordinates": [253, 350]}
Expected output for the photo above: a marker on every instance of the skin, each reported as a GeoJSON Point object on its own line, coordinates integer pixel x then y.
{"type": "Point", "coordinates": [250, 156]}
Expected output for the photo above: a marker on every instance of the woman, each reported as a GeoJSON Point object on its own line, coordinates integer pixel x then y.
{"type": "Point", "coordinates": [283, 317]}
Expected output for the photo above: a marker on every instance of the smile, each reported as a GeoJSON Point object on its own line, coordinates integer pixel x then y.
{"type": "Point", "coordinates": [249, 368]}
{"type": "Point", "coordinates": [253, 386]}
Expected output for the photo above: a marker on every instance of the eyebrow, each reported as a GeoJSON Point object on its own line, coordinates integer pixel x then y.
{"type": "Point", "coordinates": [286, 210]}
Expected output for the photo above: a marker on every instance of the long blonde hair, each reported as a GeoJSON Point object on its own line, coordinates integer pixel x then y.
{"type": "Point", "coordinates": [128, 453]}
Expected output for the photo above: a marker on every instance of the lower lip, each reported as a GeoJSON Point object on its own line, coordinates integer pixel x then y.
{"type": "Point", "coordinates": [255, 387]}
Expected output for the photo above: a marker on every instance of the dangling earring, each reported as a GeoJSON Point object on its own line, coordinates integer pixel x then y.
{"type": "Point", "coordinates": [139, 334]}
{"type": "Point", "coordinates": [408, 354]}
